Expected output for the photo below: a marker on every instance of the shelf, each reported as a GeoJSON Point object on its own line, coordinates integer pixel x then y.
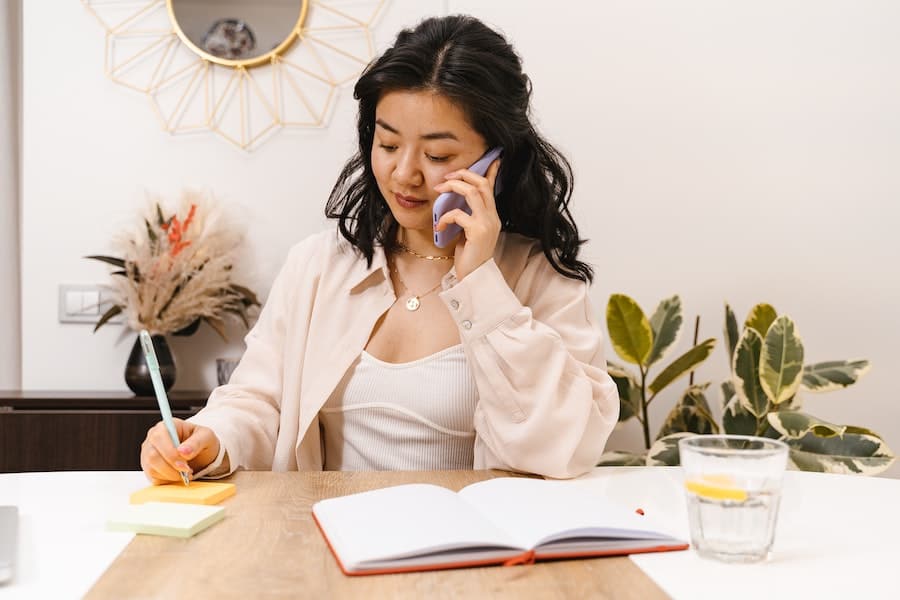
{"type": "Point", "coordinates": [84, 400]}
{"type": "Point", "coordinates": [81, 430]}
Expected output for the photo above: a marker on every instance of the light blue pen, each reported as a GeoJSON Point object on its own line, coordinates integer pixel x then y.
{"type": "Point", "coordinates": [161, 398]}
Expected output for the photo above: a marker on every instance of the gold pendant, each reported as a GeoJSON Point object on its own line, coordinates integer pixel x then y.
{"type": "Point", "coordinates": [412, 303]}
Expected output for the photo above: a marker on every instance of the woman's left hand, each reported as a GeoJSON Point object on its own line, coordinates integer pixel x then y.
{"type": "Point", "coordinates": [480, 229]}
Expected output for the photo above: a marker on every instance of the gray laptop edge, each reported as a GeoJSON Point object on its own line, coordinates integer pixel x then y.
{"type": "Point", "coordinates": [9, 525]}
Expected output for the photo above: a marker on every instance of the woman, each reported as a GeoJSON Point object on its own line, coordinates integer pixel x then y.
{"type": "Point", "coordinates": [379, 350]}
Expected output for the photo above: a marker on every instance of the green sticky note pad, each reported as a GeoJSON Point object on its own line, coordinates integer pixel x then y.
{"type": "Point", "coordinates": [166, 518]}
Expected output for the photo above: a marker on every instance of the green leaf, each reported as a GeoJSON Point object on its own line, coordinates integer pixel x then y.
{"type": "Point", "coordinates": [745, 369]}
{"type": "Point", "coordinates": [160, 220]}
{"type": "Point", "coordinates": [248, 296]}
{"type": "Point", "coordinates": [736, 419]}
{"type": "Point", "coordinates": [682, 365]}
{"type": "Point", "coordinates": [833, 375]}
{"type": "Point", "coordinates": [761, 318]}
{"type": "Point", "coordinates": [664, 451]}
{"type": "Point", "coordinates": [218, 325]}
{"type": "Point", "coordinates": [629, 391]}
{"type": "Point", "coordinates": [621, 459]}
{"type": "Point", "coordinates": [727, 388]}
{"type": "Point", "coordinates": [858, 453]}
{"type": "Point", "coordinates": [629, 329]}
{"type": "Point", "coordinates": [242, 315]}
{"type": "Point", "coordinates": [795, 402]}
{"type": "Point", "coordinates": [109, 314]}
{"type": "Point", "coordinates": [781, 361]}
{"type": "Point", "coordinates": [150, 233]}
{"type": "Point", "coordinates": [666, 325]}
{"type": "Point", "coordinates": [862, 430]}
{"type": "Point", "coordinates": [794, 425]}
{"type": "Point", "coordinates": [116, 262]}
{"type": "Point", "coordinates": [731, 333]}
{"type": "Point", "coordinates": [189, 329]}
{"type": "Point", "coordinates": [691, 414]}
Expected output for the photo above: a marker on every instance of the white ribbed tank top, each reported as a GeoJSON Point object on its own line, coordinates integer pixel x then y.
{"type": "Point", "coordinates": [400, 417]}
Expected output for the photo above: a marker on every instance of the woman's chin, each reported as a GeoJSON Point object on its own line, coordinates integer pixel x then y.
{"type": "Point", "coordinates": [414, 223]}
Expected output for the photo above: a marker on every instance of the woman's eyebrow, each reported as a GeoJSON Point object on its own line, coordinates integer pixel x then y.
{"type": "Point", "coordinates": [386, 126]}
{"type": "Point", "coordinates": [440, 135]}
{"type": "Point", "coordinates": [437, 135]}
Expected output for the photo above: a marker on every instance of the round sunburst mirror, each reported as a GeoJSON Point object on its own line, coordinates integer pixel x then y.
{"type": "Point", "coordinates": [243, 69]}
{"type": "Point", "coordinates": [236, 33]}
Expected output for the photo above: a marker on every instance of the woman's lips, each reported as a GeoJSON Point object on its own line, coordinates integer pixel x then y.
{"type": "Point", "coordinates": [409, 201]}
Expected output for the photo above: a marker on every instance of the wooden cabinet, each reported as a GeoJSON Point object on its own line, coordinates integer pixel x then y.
{"type": "Point", "coordinates": [80, 431]}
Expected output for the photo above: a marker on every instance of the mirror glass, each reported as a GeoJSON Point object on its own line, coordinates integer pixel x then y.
{"type": "Point", "coordinates": [237, 32]}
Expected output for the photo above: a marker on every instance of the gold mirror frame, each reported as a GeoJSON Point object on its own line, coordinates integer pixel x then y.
{"type": "Point", "coordinates": [248, 62]}
{"type": "Point", "coordinates": [246, 100]}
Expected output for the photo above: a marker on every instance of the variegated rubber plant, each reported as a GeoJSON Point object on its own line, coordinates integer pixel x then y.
{"type": "Point", "coordinates": [644, 343]}
{"type": "Point", "coordinates": [764, 396]}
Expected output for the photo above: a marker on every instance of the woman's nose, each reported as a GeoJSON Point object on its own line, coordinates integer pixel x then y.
{"type": "Point", "coordinates": [407, 171]}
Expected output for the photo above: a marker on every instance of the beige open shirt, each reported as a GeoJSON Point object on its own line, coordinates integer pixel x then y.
{"type": "Point", "coordinates": [534, 345]}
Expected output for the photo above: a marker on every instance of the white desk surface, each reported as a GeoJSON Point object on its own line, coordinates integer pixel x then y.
{"type": "Point", "coordinates": [837, 535]}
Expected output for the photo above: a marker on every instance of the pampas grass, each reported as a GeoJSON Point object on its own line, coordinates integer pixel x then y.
{"type": "Point", "coordinates": [175, 269]}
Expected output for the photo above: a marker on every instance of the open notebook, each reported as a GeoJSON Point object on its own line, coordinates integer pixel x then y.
{"type": "Point", "coordinates": [421, 527]}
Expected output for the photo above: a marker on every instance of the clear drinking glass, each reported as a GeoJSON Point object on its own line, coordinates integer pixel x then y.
{"type": "Point", "coordinates": [733, 485]}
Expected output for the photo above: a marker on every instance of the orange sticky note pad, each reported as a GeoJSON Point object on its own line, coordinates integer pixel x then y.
{"type": "Point", "coordinates": [199, 492]}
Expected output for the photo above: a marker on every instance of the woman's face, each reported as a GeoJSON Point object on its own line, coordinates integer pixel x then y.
{"type": "Point", "coordinates": [419, 137]}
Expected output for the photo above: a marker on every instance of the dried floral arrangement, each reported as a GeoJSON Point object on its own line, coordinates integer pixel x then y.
{"type": "Point", "coordinates": [174, 270]}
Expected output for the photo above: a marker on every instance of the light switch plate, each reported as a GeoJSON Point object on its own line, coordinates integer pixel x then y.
{"type": "Point", "coordinates": [85, 303]}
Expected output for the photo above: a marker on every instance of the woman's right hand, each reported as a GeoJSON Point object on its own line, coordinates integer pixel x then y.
{"type": "Point", "coordinates": [162, 462]}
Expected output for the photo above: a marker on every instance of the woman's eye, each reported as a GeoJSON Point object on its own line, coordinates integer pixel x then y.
{"type": "Point", "coordinates": [387, 147]}
{"type": "Point", "coordinates": [437, 158]}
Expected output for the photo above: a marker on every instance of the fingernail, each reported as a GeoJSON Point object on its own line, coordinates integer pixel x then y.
{"type": "Point", "coordinates": [185, 450]}
{"type": "Point", "coordinates": [181, 465]}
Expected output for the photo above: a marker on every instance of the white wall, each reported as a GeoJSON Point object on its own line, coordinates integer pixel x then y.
{"type": "Point", "coordinates": [10, 325]}
{"type": "Point", "coordinates": [93, 149]}
{"type": "Point", "coordinates": [738, 152]}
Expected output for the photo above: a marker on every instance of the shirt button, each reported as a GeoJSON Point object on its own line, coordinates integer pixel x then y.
{"type": "Point", "coordinates": [467, 324]}
{"type": "Point", "coordinates": [454, 304]}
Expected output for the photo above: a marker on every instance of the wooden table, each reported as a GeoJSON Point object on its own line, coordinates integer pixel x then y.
{"type": "Point", "coordinates": [268, 546]}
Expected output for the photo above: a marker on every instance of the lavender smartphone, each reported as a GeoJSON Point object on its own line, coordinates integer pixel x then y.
{"type": "Point", "coordinates": [451, 200]}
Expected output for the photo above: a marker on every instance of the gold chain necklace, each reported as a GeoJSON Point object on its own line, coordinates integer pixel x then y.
{"type": "Point", "coordinates": [425, 256]}
{"type": "Point", "coordinates": [415, 300]}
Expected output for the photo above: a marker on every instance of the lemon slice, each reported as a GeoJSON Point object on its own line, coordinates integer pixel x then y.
{"type": "Point", "coordinates": [716, 487]}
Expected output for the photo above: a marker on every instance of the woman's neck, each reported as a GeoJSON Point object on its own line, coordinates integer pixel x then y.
{"type": "Point", "coordinates": [421, 243]}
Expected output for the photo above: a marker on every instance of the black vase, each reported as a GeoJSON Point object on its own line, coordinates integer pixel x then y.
{"type": "Point", "coordinates": [137, 374]}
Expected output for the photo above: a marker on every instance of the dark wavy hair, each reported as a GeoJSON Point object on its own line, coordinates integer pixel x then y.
{"type": "Point", "coordinates": [473, 66]}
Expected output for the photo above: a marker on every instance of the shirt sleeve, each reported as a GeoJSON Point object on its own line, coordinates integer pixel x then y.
{"type": "Point", "coordinates": [546, 403]}
{"type": "Point", "coordinates": [216, 469]}
{"type": "Point", "coordinates": [245, 413]}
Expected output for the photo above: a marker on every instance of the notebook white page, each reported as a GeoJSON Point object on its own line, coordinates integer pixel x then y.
{"type": "Point", "coordinates": [535, 511]}
{"type": "Point", "coordinates": [402, 521]}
